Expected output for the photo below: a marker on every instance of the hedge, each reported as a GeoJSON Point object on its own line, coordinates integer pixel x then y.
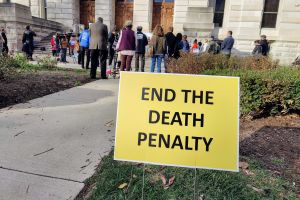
{"type": "Point", "coordinates": [266, 89]}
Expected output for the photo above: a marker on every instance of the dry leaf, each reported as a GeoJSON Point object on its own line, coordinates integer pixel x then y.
{"type": "Point", "coordinates": [249, 173]}
{"type": "Point", "coordinates": [122, 186]}
{"type": "Point", "coordinates": [164, 180]}
{"type": "Point", "coordinates": [244, 165]}
{"type": "Point", "coordinates": [171, 181]}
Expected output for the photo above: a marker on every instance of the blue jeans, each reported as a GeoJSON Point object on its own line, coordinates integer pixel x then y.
{"type": "Point", "coordinates": [157, 58]}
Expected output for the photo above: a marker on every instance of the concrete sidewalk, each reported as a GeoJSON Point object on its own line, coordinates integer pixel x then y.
{"type": "Point", "coordinates": [50, 145]}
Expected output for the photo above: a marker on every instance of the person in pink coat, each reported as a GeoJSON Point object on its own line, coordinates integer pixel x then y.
{"type": "Point", "coordinates": [53, 46]}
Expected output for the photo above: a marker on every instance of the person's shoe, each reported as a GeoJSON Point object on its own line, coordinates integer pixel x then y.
{"type": "Point", "coordinates": [93, 77]}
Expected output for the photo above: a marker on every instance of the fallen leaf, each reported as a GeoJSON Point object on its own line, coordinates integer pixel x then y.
{"type": "Point", "coordinates": [244, 165]}
{"type": "Point", "coordinates": [249, 173]}
{"type": "Point", "coordinates": [122, 186]}
{"type": "Point", "coordinates": [171, 181]}
{"type": "Point", "coordinates": [164, 180]}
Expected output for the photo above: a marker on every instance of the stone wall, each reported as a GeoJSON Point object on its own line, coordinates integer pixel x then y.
{"type": "Point", "coordinates": [64, 11]}
{"type": "Point", "coordinates": [106, 10]}
{"type": "Point", "coordinates": [15, 17]}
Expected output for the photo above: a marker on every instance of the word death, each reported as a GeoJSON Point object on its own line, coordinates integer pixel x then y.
{"type": "Point", "coordinates": [166, 141]}
{"type": "Point", "coordinates": [176, 118]}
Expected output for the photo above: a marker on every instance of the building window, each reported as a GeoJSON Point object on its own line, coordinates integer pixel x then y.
{"type": "Point", "coordinates": [45, 9]}
{"type": "Point", "coordinates": [219, 13]}
{"type": "Point", "coordinates": [270, 14]}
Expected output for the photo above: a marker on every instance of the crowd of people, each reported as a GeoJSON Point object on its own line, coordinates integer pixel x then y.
{"type": "Point", "coordinates": [95, 45]}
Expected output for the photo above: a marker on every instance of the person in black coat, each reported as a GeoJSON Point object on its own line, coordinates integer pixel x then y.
{"type": "Point", "coordinates": [171, 42]}
{"type": "Point", "coordinates": [111, 40]}
{"type": "Point", "coordinates": [264, 45]}
{"type": "Point", "coordinates": [178, 46]}
{"type": "Point", "coordinates": [5, 45]}
{"type": "Point", "coordinates": [28, 38]}
{"type": "Point", "coordinates": [141, 43]}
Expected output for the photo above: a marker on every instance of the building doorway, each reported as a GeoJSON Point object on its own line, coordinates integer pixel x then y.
{"type": "Point", "coordinates": [163, 12]}
{"type": "Point", "coordinates": [87, 12]}
{"type": "Point", "coordinates": [123, 12]}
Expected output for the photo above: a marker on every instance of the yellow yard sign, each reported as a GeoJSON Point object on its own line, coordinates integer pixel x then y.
{"type": "Point", "coordinates": [178, 120]}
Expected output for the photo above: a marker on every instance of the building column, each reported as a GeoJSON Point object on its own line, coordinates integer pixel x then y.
{"type": "Point", "coordinates": [106, 10]}
{"type": "Point", "coordinates": [142, 14]}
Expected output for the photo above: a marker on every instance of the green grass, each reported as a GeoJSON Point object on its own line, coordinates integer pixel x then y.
{"type": "Point", "coordinates": [212, 184]}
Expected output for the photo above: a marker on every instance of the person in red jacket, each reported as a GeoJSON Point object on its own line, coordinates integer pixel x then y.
{"type": "Point", "coordinates": [53, 46]}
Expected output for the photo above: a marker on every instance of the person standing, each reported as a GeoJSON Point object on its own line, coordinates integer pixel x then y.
{"type": "Point", "coordinates": [158, 41]}
{"type": "Point", "coordinates": [111, 40]}
{"type": "Point", "coordinates": [84, 40]}
{"type": "Point", "coordinates": [53, 46]}
{"type": "Point", "coordinates": [64, 48]}
{"type": "Point", "coordinates": [227, 44]}
{"type": "Point", "coordinates": [195, 47]}
{"type": "Point", "coordinates": [126, 46]}
{"type": "Point", "coordinates": [264, 45]}
{"type": "Point", "coordinates": [141, 43]}
{"type": "Point", "coordinates": [69, 36]}
{"type": "Point", "coordinates": [185, 44]}
{"type": "Point", "coordinates": [178, 46]}
{"type": "Point", "coordinates": [257, 51]}
{"type": "Point", "coordinates": [28, 38]}
{"type": "Point", "coordinates": [205, 46]}
{"type": "Point", "coordinates": [98, 47]}
{"type": "Point", "coordinates": [171, 42]}
{"type": "Point", "coordinates": [5, 45]}
{"type": "Point", "coordinates": [1, 44]}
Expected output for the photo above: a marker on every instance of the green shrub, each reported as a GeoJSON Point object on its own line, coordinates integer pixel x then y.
{"type": "Point", "coordinates": [47, 62]}
{"type": "Point", "coordinates": [7, 67]}
{"type": "Point", "coordinates": [266, 88]}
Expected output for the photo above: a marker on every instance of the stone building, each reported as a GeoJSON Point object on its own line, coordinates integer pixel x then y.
{"type": "Point", "coordinates": [278, 19]}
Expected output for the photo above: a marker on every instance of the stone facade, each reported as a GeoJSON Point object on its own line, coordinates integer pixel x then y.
{"type": "Point", "coordinates": [195, 18]}
{"type": "Point", "coordinates": [15, 17]}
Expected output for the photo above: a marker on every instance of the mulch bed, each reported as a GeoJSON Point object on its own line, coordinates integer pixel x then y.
{"type": "Point", "coordinates": [275, 143]}
{"type": "Point", "coordinates": [30, 85]}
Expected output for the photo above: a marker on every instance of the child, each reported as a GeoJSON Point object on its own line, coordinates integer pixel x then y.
{"type": "Point", "coordinates": [64, 47]}
{"type": "Point", "coordinates": [76, 51]}
{"type": "Point", "coordinates": [195, 47]}
{"type": "Point", "coordinates": [72, 45]}
{"type": "Point", "coordinates": [53, 46]}
{"type": "Point", "coordinates": [257, 51]}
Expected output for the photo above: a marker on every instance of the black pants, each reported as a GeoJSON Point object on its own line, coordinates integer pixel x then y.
{"type": "Point", "coordinates": [95, 55]}
{"type": "Point", "coordinates": [111, 55]}
{"type": "Point", "coordinates": [85, 51]}
{"type": "Point", "coordinates": [139, 57]}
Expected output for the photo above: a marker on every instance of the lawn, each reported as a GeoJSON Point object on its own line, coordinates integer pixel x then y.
{"type": "Point", "coordinates": [121, 180]}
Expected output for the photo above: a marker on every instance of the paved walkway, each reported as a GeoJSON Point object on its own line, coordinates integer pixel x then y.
{"type": "Point", "coordinates": [50, 145]}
